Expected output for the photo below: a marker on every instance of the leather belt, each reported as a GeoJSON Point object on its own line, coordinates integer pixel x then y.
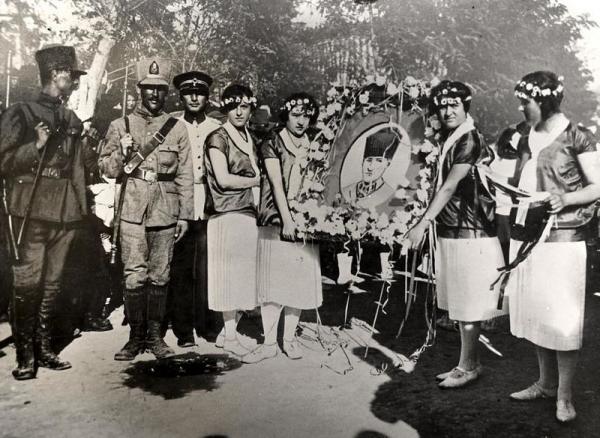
{"type": "Point", "coordinates": [151, 176]}
{"type": "Point", "coordinates": [53, 172]}
{"type": "Point", "coordinates": [463, 233]}
{"type": "Point", "coordinates": [562, 235]}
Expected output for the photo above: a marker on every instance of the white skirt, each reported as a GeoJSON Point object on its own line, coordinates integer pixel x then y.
{"type": "Point", "coordinates": [232, 240]}
{"type": "Point", "coordinates": [289, 273]}
{"type": "Point", "coordinates": [547, 295]}
{"type": "Point", "coordinates": [465, 270]}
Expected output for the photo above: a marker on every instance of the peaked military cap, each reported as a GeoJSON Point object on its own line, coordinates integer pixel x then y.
{"type": "Point", "coordinates": [193, 81]}
{"type": "Point", "coordinates": [153, 71]}
{"type": "Point", "coordinates": [57, 57]}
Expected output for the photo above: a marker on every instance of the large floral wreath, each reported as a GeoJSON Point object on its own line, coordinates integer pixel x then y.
{"type": "Point", "coordinates": [341, 221]}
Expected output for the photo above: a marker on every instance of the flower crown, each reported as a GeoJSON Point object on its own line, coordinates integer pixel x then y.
{"type": "Point", "coordinates": [447, 96]}
{"type": "Point", "coordinates": [526, 90]}
{"type": "Point", "coordinates": [237, 100]}
{"type": "Point", "coordinates": [309, 108]}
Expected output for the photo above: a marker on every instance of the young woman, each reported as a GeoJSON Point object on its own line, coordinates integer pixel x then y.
{"type": "Point", "coordinates": [289, 272]}
{"type": "Point", "coordinates": [547, 290]}
{"type": "Point", "coordinates": [468, 251]}
{"type": "Point", "coordinates": [233, 180]}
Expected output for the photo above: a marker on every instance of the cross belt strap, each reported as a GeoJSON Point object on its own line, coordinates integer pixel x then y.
{"type": "Point", "coordinates": [142, 153]}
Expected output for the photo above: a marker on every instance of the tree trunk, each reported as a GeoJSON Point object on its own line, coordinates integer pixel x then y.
{"type": "Point", "coordinates": [83, 100]}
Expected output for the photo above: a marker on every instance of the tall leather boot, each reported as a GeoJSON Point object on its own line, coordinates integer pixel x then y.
{"type": "Point", "coordinates": [46, 357]}
{"type": "Point", "coordinates": [135, 307]}
{"type": "Point", "coordinates": [157, 307]}
{"type": "Point", "coordinates": [22, 320]}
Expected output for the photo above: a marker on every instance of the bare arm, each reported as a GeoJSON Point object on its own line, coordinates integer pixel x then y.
{"type": "Point", "coordinates": [273, 167]}
{"type": "Point", "coordinates": [226, 180]}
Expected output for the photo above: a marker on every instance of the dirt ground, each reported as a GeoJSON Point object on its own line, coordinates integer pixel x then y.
{"type": "Point", "coordinates": [203, 393]}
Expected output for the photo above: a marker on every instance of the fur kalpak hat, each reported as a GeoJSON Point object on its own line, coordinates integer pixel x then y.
{"type": "Point", "coordinates": [382, 143]}
{"type": "Point", "coordinates": [57, 57]}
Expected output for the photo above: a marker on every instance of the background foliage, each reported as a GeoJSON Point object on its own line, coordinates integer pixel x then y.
{"type": "Point", "coordinates": [489, 43]}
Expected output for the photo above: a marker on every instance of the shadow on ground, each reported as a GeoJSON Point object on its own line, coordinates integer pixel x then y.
{"type": "Point", "coordinates": [176, 376]}
{"type": "Point", "coordinates": [482, 409]}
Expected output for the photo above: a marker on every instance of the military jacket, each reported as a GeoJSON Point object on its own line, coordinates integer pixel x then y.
{"type": "Point", "coordinates": [60, 194]}
{"type": "Point", "coordinates": [158, 203]}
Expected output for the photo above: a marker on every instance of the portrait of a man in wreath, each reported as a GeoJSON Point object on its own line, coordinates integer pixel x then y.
{"type": "Point", "coordinates": [377, 184]}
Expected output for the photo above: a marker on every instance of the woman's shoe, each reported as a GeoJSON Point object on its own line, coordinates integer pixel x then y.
{"type": "Point", "coordinates": [443, 376]}
{"type": "Point", "coordinates": [565, 411]}
{"type": "Point", "coordinates": [261, 353]}
{"type": "Point", "coordinates": [234, 347]}
{"type": "Point", "coordinates": [246, 341]}
{"type": "Point", "coordinates": [458, 378]}
{"type": "Point", "coordinates": [292, 349]}
{"type": "Point", "coordinates": [534, 392]}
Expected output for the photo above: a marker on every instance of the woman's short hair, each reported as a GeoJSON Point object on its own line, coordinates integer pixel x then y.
{"type": "Point", "coordinates": [306, 101]}
{"type": "Point", "coordinates": [234, 94]}
{"type": "Point", "coordinates": [545, 87]}
{"type": "Point", "coordinates": [448, 92]}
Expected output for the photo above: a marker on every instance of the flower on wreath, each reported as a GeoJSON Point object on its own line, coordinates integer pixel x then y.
{"type": "Point", "coordinates": [434, 122]}
{"type": "Point", "coordinates": [331, 109]}
{"type": "Point", "coordinates": [332, 92]}
{"type": "Point", "coordinates": [328, 133]}
{"type": "Point", "coordinates": [364, 97]}
{"type": "Point", "coordinates": [316, 155]}
{"type": "Point", "coordinates": [427, 146]}
{"type": "Point", "coordinates": [392, 89]}
{"type": "Point", "coordinates": [237, 99]}
{"type": "Point", "coordinates": [422, 195]}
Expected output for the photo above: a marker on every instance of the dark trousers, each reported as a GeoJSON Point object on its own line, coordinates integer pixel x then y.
{"type": "Point", "coordinates": [37, 281]}
{"type": "Point", "coordinates": [187, 304]}
{"type": "Point", "coordinates": [87, 282]}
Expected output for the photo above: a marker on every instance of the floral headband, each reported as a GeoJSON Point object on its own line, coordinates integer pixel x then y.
{"type": "Point", "coordinates": [309, 108]}
{"type": "Point", "coordinates": [526, 90]}
{"type": "Point", "coordinates": [447, 96]}
{"type": "Point", "coordinates": [238, 100]}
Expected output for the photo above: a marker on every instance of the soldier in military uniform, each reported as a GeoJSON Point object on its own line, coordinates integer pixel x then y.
{"type": "Point", "coordinates": [188, 300]}
{"type": "Point", "coordinates": [152, 151]}
{"type": "Point", "coordinates": [43, 163]}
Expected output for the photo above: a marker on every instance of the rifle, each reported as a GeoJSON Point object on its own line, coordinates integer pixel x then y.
{"type": "Point", "coordinates": [117, 219]}
{"type": "Point", "coordinates": [36, 180]}
{"type": "Point", "coordinates": [10, 232]}
{"type": "Point", "coordinates": [119, 203]}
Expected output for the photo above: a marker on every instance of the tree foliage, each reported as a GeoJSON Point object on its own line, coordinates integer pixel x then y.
{"type": "Point", "coordinates": [488, 44]}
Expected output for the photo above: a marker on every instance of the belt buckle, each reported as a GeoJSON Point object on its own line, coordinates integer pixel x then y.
{"type": "Point", "coordinates": [159, 137]}
{"type": "Point", "coordinates": [150, 176]}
